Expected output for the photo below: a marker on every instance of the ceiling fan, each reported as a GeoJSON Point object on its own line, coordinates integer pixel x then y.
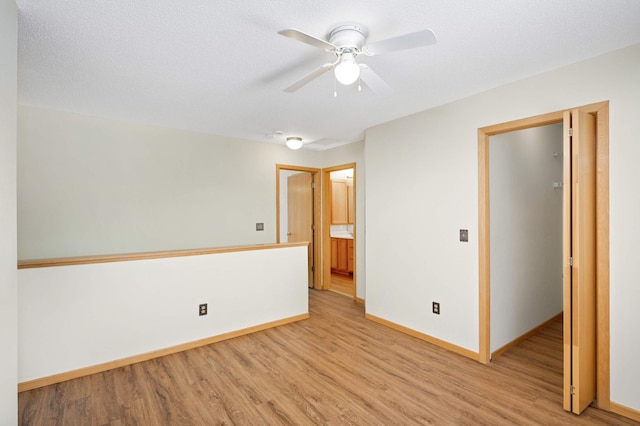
{"type": "Point", "coordinates": [347, 42]}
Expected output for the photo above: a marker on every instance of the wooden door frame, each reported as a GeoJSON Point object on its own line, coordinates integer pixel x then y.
{"type": "Point", "coordinates": [601, 111]}
{"type": "Point", "coordinates": [317, 222]}
{"type": "Point", "coordinates": [326, 235]}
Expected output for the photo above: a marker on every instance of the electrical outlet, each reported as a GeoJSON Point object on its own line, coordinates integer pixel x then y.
{"type": "Point", "coordinates": [436, 308]}
{"type": "Point", "coordinates": [202, 309]}
{"type": "Point", "coordinates": [464, 235]}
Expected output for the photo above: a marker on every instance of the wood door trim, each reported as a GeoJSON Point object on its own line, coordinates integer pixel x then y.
{"type": "Point", "coordinates": [601, 112]}
{"type": "Point", "coordinates": [317, 214]}
{"type": "Point", "coordinates": [484, 354]}
{"type": "Point", "coordinates": [603, 395]}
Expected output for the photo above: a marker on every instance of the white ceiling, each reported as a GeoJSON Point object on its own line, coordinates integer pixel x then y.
{"type": "Point", "coordinates": [219, 66]}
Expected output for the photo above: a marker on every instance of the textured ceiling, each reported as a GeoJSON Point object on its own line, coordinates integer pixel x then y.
{"type": "Point", "coordinates": [219, 66]}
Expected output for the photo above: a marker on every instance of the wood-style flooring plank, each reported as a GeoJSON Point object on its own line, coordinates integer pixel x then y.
{"type": "Point", "coordinates": [336, 368]}
{"type": "Point", "coordinates": [342, 284]}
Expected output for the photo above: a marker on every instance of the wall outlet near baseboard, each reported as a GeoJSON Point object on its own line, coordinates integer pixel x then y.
{"type": "Point", "coordinates": [202, 309]}
{"type": "Point", "coordinates": [436, 308]}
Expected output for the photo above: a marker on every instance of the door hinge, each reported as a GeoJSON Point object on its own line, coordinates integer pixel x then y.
{"type": "Point", "coordinates": [573, 390]}
{"type": "Point", "coordinates": [313, 269]}
{"type": "Point", "coordinates": [571, 261]}
{"type": "Point", "coordinates": [313, 185]}
{"type": "Point", "coordinates": [570, 131]}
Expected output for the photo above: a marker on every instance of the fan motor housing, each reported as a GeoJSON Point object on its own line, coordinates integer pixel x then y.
{"type": "Point", "coordinates": [348, 35]}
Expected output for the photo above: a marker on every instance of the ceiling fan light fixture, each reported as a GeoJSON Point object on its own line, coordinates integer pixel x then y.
{"type": "Point", "coordinates": [348, 70]}
{"type": "Point", "coordinates": [294, 142]}
{"type": "Point", "coordinates": [347, 41]}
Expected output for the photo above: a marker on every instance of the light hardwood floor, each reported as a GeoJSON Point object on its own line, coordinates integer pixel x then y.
{"type": "Point", "coordinates": [334, 368]}
{"type": "Point", "coordinates": [342, 284]}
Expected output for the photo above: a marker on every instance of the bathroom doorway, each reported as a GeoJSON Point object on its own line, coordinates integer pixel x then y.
{"type": "Point", "coordinates": [340, 225]}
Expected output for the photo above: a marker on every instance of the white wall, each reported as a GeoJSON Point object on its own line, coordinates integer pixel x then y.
{"type": "Point", "coordinates": [72, 317]}
{"type": "Point", "coordinates": [354, 153]}
{"type": "Point", "coordinates": [423, 169]}
{"type": "Point", "coordinates": [90, 185]}
{"type": "Point", "coordinates": [8, 253]}
{"type": "Point", "coordinates": [526, 230]}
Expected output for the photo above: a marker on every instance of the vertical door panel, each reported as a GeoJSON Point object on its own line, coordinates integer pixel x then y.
{"type": "Point", "coordinates": [300, 213]}
{"type": "Point", "coordinates": [566, 269]}
{"type": "Point", "coordinates": [583, 273]}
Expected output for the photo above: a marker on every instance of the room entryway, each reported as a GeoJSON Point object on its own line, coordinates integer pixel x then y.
{"type": "Point", "coordinates": [526, 198]}
{"type": "Point", "coordinates": [585, 259]}
{"type": "Point", "coordinates": [340, 225]}
{"type": "Point", "coordinates": [298, 212]}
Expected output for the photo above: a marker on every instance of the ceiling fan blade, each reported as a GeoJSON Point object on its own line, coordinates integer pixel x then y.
{"type": "Point", "coordinates": [374, 81]}
{"type": "Point", "coordinates": [309, 39]}
{"type": "Point", "coordinates": [309, 77]}
{"type": "Point", "coordinates": [407, 41]}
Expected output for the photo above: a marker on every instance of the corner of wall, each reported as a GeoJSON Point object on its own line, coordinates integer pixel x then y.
{"type": "Point", "coordinates": [8, 229]}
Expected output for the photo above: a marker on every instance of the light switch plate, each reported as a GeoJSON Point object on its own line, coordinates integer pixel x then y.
{"type": "Point", "coordinates": [464, 235]}
{"type": "Point", "coordinates": [259, 226]}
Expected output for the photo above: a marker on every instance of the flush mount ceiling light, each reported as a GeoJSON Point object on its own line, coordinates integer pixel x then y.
{"type": "Point", "coordinates": [294, 142]}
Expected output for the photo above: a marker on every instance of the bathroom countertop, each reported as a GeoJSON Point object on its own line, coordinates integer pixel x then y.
{"type": "Point", "coordinates": [344, 236]}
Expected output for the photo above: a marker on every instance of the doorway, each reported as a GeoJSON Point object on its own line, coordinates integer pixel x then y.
{"type": "Point", "coordinates": [526, 198]}
{"type": "Point", "coordinates": [339, 229]}
{"type": "Point", "coordinates": [298, 213]}
{"type": "Point", "coordinates": [599, 354]}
